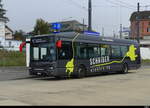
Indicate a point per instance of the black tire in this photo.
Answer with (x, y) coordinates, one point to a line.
(31, 73)
(125, 69)
(81, 72)
(59, 77)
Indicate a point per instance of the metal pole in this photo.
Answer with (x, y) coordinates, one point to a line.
(120, 31)
(90, 15)
(103, 31)
(138, 22)
(83, 25)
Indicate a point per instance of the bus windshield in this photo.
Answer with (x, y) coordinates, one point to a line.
(43, 52)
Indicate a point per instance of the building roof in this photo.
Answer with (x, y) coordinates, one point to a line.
(69, 22)
(9, 28)
(72, 25)
(142, 15)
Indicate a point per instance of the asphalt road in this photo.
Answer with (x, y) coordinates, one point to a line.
(114, 89)
(16, 73)
(13, 73)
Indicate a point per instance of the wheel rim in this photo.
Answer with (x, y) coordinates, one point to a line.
(80, 73)
(125, 69)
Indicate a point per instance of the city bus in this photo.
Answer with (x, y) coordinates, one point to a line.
(72, 54)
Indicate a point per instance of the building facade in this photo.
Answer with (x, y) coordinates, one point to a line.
(3, 20)
(144, 29)
(6, 34)
(144, 24)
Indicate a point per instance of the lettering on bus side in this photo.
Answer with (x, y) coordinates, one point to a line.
(99, 61)
(99, 69)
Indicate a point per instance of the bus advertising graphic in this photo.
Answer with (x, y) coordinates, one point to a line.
(97, 63)
(72, 54)
(70, 67)
(132, 53)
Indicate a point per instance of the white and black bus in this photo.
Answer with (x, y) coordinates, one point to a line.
(74, 54)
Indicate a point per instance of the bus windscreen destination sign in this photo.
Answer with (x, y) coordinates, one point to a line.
(41, 40)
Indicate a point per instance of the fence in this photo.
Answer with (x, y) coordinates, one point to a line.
(145, 53)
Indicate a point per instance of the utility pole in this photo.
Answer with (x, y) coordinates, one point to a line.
(114, 35)
(138, 22)
(83, 25)
(120, 31)
(103, 31)
(90, 15)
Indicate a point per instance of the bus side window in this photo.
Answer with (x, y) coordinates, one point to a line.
(116, 51)
(124, 50)
(97, 51)
(93, 51)
(81, 51)
(105, 50)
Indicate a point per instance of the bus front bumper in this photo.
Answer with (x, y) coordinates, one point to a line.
(41, 71)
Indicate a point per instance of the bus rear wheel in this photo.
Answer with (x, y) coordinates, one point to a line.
(125, 69)
(81, 72)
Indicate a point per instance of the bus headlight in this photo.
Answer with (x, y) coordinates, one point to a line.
(51, 68)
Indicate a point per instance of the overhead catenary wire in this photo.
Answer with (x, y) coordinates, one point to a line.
(78, 5)
(112, 4)
(125, 3)
(115, 5)
(104, 6)
(120, 4)
(146, 7)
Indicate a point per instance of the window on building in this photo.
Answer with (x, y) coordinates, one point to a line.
(148, 29)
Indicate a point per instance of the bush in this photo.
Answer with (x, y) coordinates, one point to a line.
(146, 61)
(12, 58)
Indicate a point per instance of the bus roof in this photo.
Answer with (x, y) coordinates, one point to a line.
(89, 38)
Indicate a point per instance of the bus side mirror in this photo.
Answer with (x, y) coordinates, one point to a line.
(21, 46)
(59, 44)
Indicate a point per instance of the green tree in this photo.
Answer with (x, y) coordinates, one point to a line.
(41, 27)
(19, 35)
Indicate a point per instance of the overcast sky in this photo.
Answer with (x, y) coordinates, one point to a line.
(106, 13)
